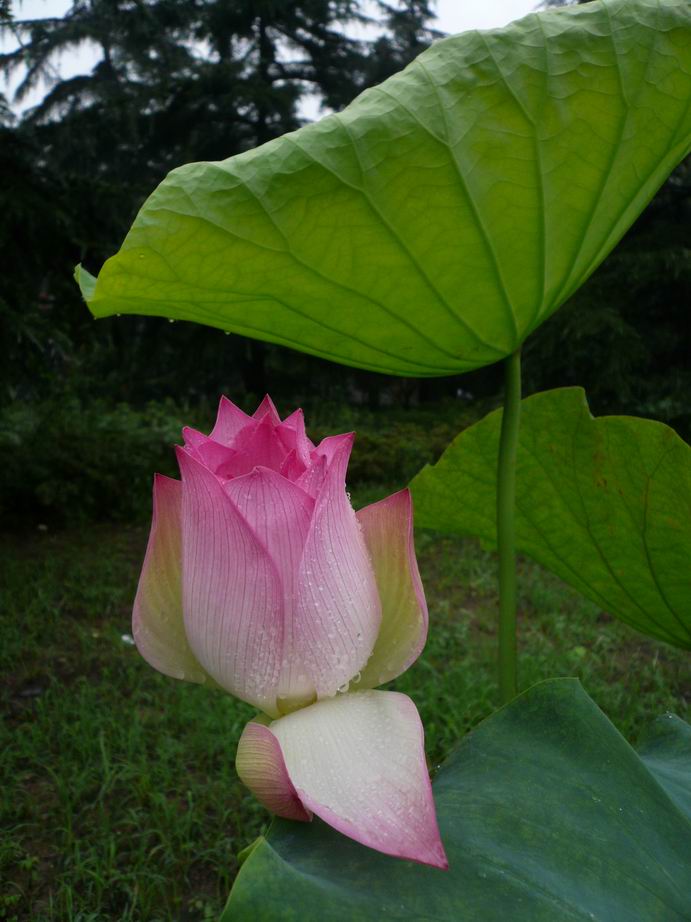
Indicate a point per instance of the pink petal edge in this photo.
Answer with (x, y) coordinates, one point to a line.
(292, 432)
(218, 458)
(230, 420)
(358, 762)
(232, 594)
(260, 766)
(267, 408)
(387, 527)
(337, 610)
(157, 620)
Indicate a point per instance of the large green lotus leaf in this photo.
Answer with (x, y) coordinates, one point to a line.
(439, 219)
(667, 753)
(546, 813)
(604, 503)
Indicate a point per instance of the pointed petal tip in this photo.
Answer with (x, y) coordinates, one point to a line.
(269, 474)
(188, 464)
(336, 449)
(230, 420)
(330, 444)
(165, 492)
(191, 436)
(225, 403)
(343, 446)
(357, 761)
(398, 500)
(442, 862)
(436, 859)
(163, 482)
(298, 414)
(430, 854)
(267, 408)
(184, 460)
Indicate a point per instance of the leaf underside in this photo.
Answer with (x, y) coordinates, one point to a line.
(605, 503)
(546, 814)
(433, 224)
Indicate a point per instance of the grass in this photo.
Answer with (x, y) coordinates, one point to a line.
(119, 796)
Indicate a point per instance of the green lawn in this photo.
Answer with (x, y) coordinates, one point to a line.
(119, 796)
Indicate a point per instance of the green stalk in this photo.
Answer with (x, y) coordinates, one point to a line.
(506, 540)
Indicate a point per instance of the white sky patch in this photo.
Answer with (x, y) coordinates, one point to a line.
(460, 15)
(453, 16)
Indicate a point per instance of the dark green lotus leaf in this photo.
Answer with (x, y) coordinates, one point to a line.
(604, 503)
(433, 224)
(547, 815)
(667, 753)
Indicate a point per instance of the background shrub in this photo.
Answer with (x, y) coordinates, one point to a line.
(70, 461)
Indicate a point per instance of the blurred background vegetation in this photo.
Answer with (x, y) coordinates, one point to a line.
(183, 80)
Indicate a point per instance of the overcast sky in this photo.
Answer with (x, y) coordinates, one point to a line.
(452, 16)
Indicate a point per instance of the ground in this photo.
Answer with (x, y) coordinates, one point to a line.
(119, 798)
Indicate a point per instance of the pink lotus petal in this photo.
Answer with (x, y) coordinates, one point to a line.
(267, 408)
(193, 437)
(218, 458)
(337, 608)
(321, 457)
(332, 445)
(387, 527)
(259, 764)
(358, 762)
(157, 622)
(291, 467)
(292, 434)
(258, 444)
(312, 480)
(232, 594)
(230, 420)
(279, 513)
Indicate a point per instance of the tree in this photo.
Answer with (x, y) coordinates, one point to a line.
(407, 34)
(175, 81)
